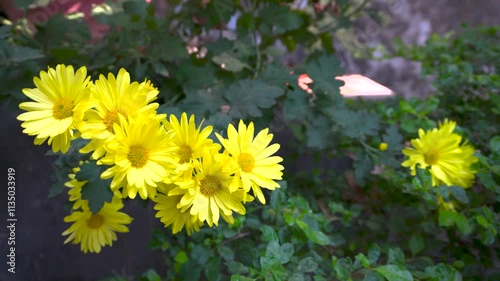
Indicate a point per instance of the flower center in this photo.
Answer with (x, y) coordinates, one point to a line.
(95, 221)
(431, 157)
(185, 154)
(111, 118)
(138, 156)
(246, 162)
(210, 185)
(63, 108)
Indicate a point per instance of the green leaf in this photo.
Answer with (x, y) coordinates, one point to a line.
(190, 271)
(181, 257)
(272, 257)
(495, 144)
(323, 70)
(200, 254)
(362, 166)
(308, 265)
(394, 273)
(202, 102)
(169, 48)
(361, 258)
(343, 267)
(450, 218)
(316, 236)
(393, 139)
(212, 269)
(230, 62)
(96, 190)
(356, 124)
(22, 53)
(416, 244)
(238, 277)
(459, 194)
(236, 267)
(395, 255)
(443, 272)
(268, 233)
(247, 97)
(318, 133)
(278, 19)
(373, 253)
(150, 275)
(286, 252)
(193, 78)
(226, 253)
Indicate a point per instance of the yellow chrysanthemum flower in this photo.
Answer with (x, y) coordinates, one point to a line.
(208, 195)
(257, 168)
(75, 189)
(170, 214)
(142, 154)
(117, 97)
(93, 231)
(440, 149)
(61, 98)
(189, 142)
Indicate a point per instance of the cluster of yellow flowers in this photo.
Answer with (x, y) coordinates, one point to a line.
(170, 161)
(450, 161)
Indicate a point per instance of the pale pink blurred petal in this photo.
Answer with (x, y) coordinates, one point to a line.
(303, 80)
(359, 85)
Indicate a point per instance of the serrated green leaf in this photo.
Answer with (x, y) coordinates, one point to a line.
(323, 70)
(202, 102)
(393, 139)
(356, 124)
(318, 133)
(169, 48)
(248, 97)
(97, 191)
(228, 61)
(278, 19)
(394, 273)
(193, 78)
(362, 167)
